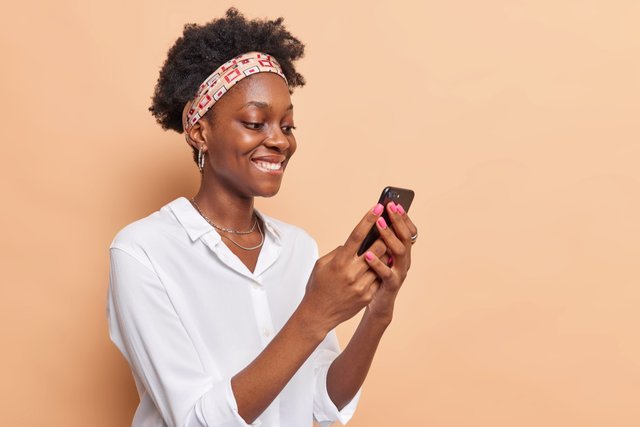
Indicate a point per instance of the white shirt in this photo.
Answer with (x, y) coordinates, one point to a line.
(188, 315)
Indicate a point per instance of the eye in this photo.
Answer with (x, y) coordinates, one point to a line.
(288, 129)
(253, 125)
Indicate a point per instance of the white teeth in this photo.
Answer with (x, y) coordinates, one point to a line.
(268, 165)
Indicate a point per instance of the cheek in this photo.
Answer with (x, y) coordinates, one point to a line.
(236, 146)
(293, 145)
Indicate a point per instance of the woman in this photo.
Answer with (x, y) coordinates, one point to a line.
(222, 312)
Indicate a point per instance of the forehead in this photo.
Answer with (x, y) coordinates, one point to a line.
(267, 88)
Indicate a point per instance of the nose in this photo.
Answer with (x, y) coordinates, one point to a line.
(278, 140)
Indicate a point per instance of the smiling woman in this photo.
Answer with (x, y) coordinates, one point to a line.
(226, 315)
(253, 141)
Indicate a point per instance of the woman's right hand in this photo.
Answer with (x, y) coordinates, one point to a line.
(341, 283)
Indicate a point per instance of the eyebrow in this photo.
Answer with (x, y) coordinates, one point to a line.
(262, 105)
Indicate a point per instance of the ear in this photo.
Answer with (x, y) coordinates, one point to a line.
(196, 137)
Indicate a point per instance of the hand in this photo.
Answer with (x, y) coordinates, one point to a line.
(398, 242)
(341, 283)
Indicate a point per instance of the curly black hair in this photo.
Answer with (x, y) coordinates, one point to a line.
(203, 48)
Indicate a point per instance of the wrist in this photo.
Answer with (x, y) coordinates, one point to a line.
(380, 318)
(311, 321)
(381, 309)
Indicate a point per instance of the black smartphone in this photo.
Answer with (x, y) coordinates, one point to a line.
(402, 196)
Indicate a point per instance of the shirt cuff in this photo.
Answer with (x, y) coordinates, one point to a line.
(324, 410)
(218, 408)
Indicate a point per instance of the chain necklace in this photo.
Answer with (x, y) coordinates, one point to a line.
(251, 248)
(228, 230)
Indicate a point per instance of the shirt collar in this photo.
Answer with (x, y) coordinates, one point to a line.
(196, 226)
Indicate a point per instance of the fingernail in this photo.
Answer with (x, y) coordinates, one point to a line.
(382, 223)
(368, 256)
(377, 209)
(392, 207)
(400, 209)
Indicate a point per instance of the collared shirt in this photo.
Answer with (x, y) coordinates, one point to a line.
(188, 315)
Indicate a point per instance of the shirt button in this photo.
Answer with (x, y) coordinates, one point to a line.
(266, 332)
(255, 285)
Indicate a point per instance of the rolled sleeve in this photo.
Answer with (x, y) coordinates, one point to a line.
(219, 408)
(324, 410)
(146, 328)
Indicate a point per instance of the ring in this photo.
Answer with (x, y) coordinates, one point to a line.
(414, 238)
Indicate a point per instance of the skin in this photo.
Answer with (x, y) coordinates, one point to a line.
(254, 120)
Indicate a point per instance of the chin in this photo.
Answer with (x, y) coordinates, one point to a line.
(267, 187)
(268, 192)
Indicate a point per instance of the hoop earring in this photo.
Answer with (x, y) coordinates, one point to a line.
(201, 155)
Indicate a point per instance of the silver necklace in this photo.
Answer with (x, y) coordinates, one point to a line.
(251, 248)
(228, 230)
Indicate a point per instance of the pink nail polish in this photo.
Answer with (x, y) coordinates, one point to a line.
(382, 223)
(392, 207)
(401, 209)
(377, 209)
(368, 256)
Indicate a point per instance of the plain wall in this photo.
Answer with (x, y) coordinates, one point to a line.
(516, 123)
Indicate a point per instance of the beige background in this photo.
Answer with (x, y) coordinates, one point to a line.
(516, 122)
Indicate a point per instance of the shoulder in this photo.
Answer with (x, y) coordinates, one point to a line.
(154, 230)
(292, 235)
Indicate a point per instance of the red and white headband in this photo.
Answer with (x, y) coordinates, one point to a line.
(223, 78)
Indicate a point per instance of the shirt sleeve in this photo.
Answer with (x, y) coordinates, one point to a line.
(324, 410)
(146, 328)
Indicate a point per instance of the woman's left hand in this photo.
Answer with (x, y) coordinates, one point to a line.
(397, 237)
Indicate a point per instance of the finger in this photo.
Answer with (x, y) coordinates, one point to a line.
(368, 279)
(370, 283)
(379, 248)
(381, 269)
(372, 289)
(399, 225)
(358, 234)
(387, 259)
(412, 227)
(394, 244)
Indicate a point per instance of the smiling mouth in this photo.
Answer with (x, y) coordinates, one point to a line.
(268, 167)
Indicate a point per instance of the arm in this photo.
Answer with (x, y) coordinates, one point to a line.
(349, 370)
(263, 379)
(146, 328)
(144, 325)
(340, 285)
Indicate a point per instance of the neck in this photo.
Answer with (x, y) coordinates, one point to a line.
(224, 207)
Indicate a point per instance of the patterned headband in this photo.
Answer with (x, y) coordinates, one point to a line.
(223, 78)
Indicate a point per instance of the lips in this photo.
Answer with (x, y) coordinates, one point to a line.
(269, 164)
